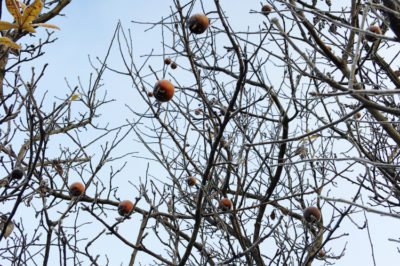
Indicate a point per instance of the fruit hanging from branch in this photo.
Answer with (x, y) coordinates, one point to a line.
(17, 173)
(225, 204)
(125, 207)
(167, 61)
(198, 23)
(321, 253)
(76, 189)
(266, 9)
(374, 29)
(163, 90)
(191, 181)
(312, 214)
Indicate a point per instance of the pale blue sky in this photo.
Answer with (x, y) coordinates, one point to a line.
(86, 29)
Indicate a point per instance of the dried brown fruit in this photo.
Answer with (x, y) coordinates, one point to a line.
(77, 189)
(374, 29)
(225, 204)
(191, 181)
(167, 61)
(125, 207)
(198, 23)
(163, 90)
(312, 214)
(266, 9)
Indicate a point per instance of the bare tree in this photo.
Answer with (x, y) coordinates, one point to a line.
(249, 138)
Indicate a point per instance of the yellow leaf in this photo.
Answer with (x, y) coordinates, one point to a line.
(31, 12)
(13, 8)
(20, 3)
(7, 25)
(29, 28)
(46, 25)
(74, 97)
(310, 138)
(6, 41)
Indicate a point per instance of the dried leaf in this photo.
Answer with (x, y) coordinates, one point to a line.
(310, 138)
(3, 182)
(20, 3)
(31, 12)
(13, 8)
(28, 202)
(273, 215)
(56, 165)
(7, 25)
(47, 26)
(302, 150)
(74, 97)
(169, 205)
(59, 170)
(29, 28)
(9, 229)
(6, 41)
